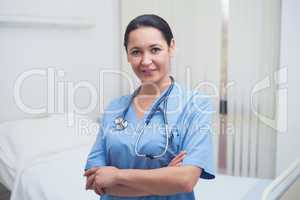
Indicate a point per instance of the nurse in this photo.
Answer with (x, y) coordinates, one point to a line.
(156, 142)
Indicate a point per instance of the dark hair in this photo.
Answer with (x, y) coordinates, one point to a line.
(149, 20)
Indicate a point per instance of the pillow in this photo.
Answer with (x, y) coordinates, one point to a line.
(23, 141)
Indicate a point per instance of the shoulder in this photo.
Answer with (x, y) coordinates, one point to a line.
(114, 108)
(193, 100)
(118, 103)
(199, 102)
(183, 100)
(197, 107)
(197, 112)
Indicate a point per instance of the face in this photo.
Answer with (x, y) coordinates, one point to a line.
(149, 55)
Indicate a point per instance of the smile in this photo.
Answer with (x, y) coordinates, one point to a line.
(148, 71)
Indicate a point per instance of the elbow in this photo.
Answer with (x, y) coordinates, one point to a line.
(190, 179)
(188, 184)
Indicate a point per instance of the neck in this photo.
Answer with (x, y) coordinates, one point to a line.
(155, 89)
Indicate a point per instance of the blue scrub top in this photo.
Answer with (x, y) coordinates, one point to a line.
(189, 117)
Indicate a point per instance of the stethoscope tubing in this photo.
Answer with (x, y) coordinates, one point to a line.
(141, 132)
(121, 122)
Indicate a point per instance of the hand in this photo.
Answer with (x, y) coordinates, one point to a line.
(177, 160)
(98, 190)
(90, 175)
(105, 177)
(90, 183)
(91, 171)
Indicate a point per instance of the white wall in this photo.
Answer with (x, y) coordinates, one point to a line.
(288, 143)
(80, 53)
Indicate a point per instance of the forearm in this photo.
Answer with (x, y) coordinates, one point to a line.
(162, 181)
(125, 191)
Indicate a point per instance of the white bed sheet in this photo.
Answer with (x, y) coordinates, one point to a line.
(231, 188)
(22, 141)
(59, 177)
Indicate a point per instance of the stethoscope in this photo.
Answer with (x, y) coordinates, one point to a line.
(121, 123)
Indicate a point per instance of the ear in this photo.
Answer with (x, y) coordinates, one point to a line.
(127, 55)
(172, 47)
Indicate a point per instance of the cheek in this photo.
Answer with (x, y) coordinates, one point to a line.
(134, 62)
(163, 63)
(135, 65)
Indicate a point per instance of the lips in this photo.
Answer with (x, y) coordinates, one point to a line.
(148, 71)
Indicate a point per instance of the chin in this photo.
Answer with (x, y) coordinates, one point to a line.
(149, 79)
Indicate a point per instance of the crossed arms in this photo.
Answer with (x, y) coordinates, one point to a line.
(138, 182)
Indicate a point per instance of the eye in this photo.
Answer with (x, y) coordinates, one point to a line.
(155, 50)
(135, 53)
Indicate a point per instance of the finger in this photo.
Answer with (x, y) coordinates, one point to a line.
(178, 164)
(90, 181)
(179, 157)
(95, 188)
(182, 153)
(175, 163)
(99, 190)
(96, 191)
(90, 171)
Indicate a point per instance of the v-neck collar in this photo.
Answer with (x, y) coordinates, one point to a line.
(132, 110)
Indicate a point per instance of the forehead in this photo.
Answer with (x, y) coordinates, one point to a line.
(145, 36)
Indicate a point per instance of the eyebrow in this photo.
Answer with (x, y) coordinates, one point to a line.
(133, 48)
(151, 46)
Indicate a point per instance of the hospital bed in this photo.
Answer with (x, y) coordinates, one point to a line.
(43, 159)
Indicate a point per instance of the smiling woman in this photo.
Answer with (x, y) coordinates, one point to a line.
(156, 142)
(149, 55)
(149, 44)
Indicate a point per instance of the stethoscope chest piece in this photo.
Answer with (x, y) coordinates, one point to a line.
(121, 123)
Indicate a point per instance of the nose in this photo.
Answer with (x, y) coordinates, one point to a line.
(146, 59)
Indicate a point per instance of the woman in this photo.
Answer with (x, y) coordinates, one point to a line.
(154, 143)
